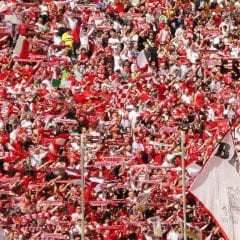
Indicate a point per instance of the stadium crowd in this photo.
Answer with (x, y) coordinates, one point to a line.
(112, 83)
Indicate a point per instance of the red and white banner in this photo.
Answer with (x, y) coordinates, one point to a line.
(27, 5)
(65, 121)
(53, 236)
(89, 6)
(5, 30)
(35, 186)
(130, 15)
(112, 227)
(51, 203)
(5, 154)
(103, 27)
(116, 158)
(217, 187)
(62, 2)
(102, 203)
(169, 129)
(211, 32)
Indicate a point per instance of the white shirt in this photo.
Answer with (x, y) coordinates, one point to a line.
(75, 216)
(113, 43)
(133, 115)
(186, 99)
(43, 9)
(235, 52)
(57, 40)
(36, 159)
(179, 32)
(211, 115)
(183, 71)
(117, 61)
(172, 235)
(26, 123)
(84, 40)
(192, 56)
(135, 3)
(136, 146)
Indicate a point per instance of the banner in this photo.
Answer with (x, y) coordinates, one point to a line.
(62, 2)
(27, 5)
(112, 227)
(130, 15)
(51, 203)
(104, 27)
(211, 32)
(217, 187)
(106, 202)
(116, 158)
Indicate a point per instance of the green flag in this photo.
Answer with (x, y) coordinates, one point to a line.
(56, 83)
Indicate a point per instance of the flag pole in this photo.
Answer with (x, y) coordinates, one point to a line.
(183, 185)
(82, 145)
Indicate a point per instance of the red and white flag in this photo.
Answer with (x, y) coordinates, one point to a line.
(21, 49)
(217, 187)
(57, 142)
(121, 96)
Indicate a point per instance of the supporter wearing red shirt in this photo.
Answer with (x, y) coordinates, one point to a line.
(159, 155)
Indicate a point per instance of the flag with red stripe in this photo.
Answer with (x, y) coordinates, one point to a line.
(21, 49)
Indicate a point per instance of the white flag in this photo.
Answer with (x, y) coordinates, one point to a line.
(142, 61)
(142, 198)
(217, 187)
(2, 235)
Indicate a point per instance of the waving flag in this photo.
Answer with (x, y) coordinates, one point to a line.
(217, 187)
(142, 61)
(21, 49)
(121, 96)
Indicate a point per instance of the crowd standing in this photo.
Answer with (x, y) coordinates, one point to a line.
(122, 79)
